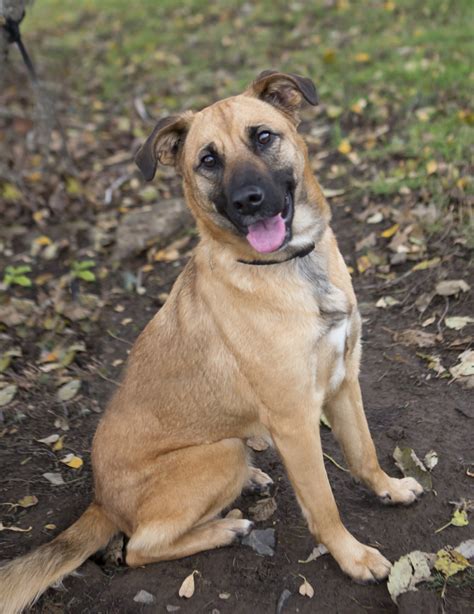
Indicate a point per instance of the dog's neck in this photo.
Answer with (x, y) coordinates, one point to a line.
(296, 253)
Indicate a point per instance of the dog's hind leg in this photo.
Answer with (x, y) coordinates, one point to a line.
(190, 487)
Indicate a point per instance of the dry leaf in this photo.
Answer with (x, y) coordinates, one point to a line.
(17, 529)
(306, 589)
(431, 167)
(28, 501)
(412, 467)
(408, 571)
(318, 551)
(419, 338)
(465, 366)
(431, 460)
(73, 461)
(386, 234)
(56, 479)
(69, 390)
(344, 147)
(49, 440)
(386, 301)
(458, 322)
(7, 394)
(449, 562)
(433, 362)
(187, 588)
(263, 509)
(427, 264)
(376, 218)
(451, 287)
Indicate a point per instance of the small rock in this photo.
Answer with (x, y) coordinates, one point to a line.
(261, 541)
(151, 224)
(144, 597)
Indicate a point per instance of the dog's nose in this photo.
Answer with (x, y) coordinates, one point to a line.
(248, 199)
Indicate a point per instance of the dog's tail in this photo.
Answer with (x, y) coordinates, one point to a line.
(24, 579)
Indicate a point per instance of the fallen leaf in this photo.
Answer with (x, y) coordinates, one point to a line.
(56, 479)
(7, 394)
(458, 322)
(428, 321)
(386, 301)
(50, 526)
(317, 551)
(344, 147)
(17, 529)
(259, 444)
(449, 562)
(68, 391)
(263, 509)
(451, 287)
(412, 467)
(466, 548)
(28, 501)
(50, 439)
(305, 588)
(460, 518)
(144, 597)
(73, 461)
(389, 232)
(376, 218)
(433, 362)
(465, 366)
(188, 586)
(419, 338)
(431, 460)
(431, 167)
(408, 571)
(362, 57)
(427, 264)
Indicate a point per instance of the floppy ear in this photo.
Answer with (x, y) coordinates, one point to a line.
(164, 144)
(285, 91)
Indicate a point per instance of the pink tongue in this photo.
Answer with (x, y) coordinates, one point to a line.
(267, 235)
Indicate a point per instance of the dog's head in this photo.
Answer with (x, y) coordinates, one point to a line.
(245, 168)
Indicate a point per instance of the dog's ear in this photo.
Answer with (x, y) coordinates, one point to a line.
(164, 144)
(285, 91)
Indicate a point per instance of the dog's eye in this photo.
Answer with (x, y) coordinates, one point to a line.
(264, 137)
(209, 161)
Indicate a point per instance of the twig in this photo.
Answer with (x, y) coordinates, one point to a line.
(109, 332)
(108, 379)
(334, 462)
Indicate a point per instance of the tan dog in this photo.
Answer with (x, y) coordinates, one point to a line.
(239, 349)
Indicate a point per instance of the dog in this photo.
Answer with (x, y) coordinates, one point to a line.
(260, 333)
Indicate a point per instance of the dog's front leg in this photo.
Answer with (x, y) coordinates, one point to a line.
(297, 439)
(346, 413)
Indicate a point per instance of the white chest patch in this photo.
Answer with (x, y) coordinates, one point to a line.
(337, 339)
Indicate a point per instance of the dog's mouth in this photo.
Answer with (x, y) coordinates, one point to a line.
(271, 233)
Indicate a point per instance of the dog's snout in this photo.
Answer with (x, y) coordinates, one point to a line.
(248, 199)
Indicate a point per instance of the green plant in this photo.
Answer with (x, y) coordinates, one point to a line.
(81, 270)
(16, 275)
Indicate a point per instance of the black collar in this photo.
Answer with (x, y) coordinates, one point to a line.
(299, 254)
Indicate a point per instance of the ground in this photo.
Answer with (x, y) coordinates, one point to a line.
(390, 146)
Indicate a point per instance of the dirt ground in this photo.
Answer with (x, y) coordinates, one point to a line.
(403, 407)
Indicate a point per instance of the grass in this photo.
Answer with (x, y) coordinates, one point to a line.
(411, 62)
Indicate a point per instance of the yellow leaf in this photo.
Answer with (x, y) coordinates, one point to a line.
(431, 167)
(459, 518)
(359, 106)
(11, 192)
(329, 55)
(187, 587)
(59, 445)
(73, 461)
(363, 263)
(427, 264)
(34, 177)
(43, 240)
(389, 6)
(73, 187)
(28, 501)
(450, 562)
(386, 234)
(344, 147)
(362, 57)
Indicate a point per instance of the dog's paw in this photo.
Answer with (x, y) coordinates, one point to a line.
(362, 563)
(260, 483)
(237, 528)
(404, 491)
